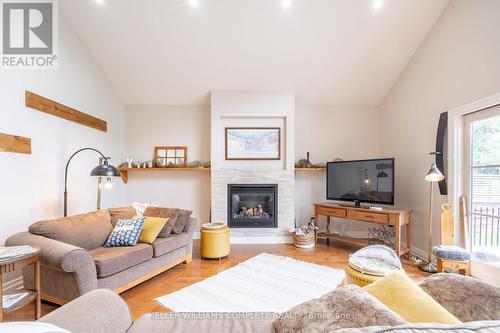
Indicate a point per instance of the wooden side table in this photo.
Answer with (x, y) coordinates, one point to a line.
(34, 295)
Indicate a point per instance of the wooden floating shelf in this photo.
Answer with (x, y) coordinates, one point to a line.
(310, 169)
(15, 144)
(124, 171)
(54, 108)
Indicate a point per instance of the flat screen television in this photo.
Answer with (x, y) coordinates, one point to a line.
(368, 181)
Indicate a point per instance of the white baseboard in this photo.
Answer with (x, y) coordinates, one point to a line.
(421, 254)
(284, 238)
(257, 238)
(261, 239)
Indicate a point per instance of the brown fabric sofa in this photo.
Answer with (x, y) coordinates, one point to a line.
(74, 260)
(113, 316)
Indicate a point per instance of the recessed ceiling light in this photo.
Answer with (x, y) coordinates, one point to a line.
(377, 4)
(100, 2)
(194, 3)
(286, 4)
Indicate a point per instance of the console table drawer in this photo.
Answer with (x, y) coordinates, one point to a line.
(334, 212)
(369, 217)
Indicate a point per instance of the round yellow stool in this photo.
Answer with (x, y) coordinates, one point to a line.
(353, 276)
(370, 264)
(215, 243)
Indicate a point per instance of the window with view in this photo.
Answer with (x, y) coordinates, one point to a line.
(483, 178)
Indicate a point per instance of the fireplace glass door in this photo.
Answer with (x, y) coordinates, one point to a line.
(252, 206)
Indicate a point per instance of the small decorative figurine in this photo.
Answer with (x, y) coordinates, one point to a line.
(130, 160)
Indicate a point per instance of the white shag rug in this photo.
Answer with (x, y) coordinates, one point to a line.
(264, 283)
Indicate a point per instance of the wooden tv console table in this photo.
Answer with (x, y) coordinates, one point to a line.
(390, 217)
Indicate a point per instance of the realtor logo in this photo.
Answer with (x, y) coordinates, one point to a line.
(29, 33)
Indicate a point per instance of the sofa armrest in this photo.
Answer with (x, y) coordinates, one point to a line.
(215, 322)
(191, 227)
(465, 297)
(61, 256)
(100, 310)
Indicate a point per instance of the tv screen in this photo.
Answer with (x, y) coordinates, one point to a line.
(370, 181)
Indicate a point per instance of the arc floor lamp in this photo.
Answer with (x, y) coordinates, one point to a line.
(433, 176)
(102, 170)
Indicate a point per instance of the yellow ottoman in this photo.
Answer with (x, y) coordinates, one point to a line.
(215, 243)
(352, 276)
(370, 264)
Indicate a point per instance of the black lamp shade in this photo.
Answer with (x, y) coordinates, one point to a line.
(105, 170)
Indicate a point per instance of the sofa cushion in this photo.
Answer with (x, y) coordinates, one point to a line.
(466, 298)
(31, 327)
(407, 299)
(192, 322)
(111, 260)
(152, 228)
(173, 242)
(126, 232)
(140, 207)
(472, 327)
(348, 306)
(87, 231)
(182, 221)
(178, 218)
(124, 213)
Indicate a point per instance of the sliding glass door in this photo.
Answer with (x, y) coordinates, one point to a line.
(482, 173)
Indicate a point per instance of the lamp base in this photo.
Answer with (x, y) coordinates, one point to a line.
(428, 267)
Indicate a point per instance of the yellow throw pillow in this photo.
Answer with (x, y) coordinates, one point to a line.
(403, 296)
(152, 228)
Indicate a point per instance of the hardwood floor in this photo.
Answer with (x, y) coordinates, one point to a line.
(141, 298)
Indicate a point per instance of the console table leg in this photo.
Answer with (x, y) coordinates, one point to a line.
(408, 239)
(315, 224)
(398, 239)
(328, 220)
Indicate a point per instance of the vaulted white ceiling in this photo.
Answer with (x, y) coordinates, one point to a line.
(329, 52)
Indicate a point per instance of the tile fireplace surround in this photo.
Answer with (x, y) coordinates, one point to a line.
(254, 109)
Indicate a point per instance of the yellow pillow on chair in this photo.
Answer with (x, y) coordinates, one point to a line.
(152, 228)
(403, 296)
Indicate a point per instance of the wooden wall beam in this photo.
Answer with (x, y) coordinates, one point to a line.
(15, 144)
(54, 108)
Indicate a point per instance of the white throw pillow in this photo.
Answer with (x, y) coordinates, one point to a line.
(140, 207)
(30, 327)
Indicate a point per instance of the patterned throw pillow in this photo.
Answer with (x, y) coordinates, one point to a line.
(126, 232)
(345, 307)
(178, 218)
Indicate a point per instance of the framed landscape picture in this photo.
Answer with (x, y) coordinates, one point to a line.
(253, 143)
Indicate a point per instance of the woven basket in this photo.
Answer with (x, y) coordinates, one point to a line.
(304, 241)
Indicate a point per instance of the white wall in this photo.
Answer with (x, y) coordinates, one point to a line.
(32, 185)
(326, 132)
(329, 133)
(150, 126)
(456, 64)
(265, 108)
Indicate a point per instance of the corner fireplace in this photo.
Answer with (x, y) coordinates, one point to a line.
(252, 206)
